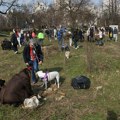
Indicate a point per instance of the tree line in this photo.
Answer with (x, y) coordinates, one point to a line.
(72, 13)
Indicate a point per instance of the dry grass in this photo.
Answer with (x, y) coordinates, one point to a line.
(89, 104)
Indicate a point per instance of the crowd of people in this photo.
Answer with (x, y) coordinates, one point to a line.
(33, 55)
(32, 52)
(93, 33)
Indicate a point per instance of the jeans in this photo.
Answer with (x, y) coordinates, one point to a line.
(34, 70)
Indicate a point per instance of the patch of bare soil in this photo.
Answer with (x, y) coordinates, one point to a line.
(49, 50)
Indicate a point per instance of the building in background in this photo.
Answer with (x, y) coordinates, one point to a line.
(39, 7)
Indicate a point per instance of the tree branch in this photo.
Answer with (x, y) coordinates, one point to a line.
(8, 5)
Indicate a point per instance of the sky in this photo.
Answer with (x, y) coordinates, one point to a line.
(49, 1)
(46, 1)
(32, 1)
(96, 1)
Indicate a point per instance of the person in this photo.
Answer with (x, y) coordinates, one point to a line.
(14, 42)
(60, 38)
(33, 34)
(47, 32)
(88, 34)
(70, 38)
(110, 33)
(22, 37)
(18, 34)
(91, 35)
(55, 33)
(27, 36)
(33, 56)
(81, 35)
(40, 37)
(75, 38)
(115, 34)
(100, 40)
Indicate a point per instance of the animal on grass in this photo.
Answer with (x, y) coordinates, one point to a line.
(67, 54)
(17, 89)
(49, 76)
(67, 51)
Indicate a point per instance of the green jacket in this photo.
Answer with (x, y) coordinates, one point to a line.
(40, 35)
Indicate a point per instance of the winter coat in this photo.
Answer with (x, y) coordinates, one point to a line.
(26, 53)
(14, 39)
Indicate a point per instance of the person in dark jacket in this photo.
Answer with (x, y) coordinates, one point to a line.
(75, 38)
(81, 37)
(14, 42)
(91, 34)
(33, 56)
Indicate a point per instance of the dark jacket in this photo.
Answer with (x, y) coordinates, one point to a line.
(14, 39)
(75, 35)
(26, 53)
(59, 35)
(115, 31)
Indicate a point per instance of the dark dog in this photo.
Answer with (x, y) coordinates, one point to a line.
(6, 45)
(17, 89)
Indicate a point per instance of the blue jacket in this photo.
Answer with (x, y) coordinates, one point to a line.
(59, 35)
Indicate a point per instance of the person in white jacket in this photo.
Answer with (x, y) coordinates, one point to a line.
(18, 37)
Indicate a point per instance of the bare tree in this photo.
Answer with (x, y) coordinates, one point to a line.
(6, 5)
(111, 12)
(72, 10)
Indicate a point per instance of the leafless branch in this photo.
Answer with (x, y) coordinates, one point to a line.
(7, 5)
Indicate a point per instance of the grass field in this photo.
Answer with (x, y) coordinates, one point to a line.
(100, 63)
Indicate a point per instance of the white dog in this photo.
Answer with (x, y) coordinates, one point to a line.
(31, 103)
(48, 76)
(67, 54)
(66, 49)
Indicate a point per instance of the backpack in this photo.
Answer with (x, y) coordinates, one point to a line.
(80, 82)
(6, 45)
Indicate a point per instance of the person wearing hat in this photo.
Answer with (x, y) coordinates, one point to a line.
(33, 56)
